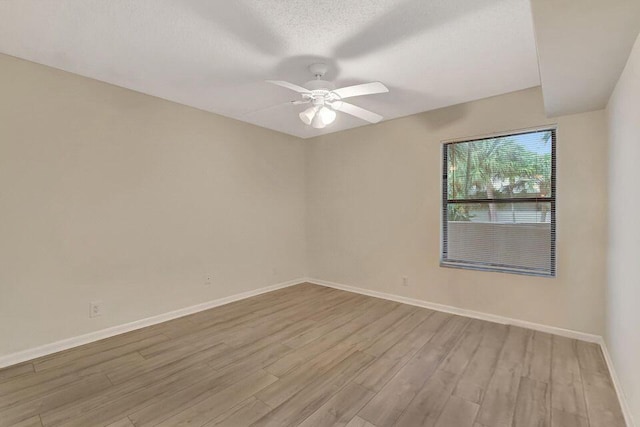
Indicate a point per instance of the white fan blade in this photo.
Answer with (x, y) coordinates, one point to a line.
(259, 110)
(359, 90)
(356, 111)
(288, 85)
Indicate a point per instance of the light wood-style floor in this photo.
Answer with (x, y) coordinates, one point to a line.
(309, 355)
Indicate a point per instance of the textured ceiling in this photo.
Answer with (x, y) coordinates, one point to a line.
(583, 47)
(215, 55)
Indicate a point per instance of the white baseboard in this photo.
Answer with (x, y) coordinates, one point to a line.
(497, 319)
(65, 344)
(616, 384)
(463, 312)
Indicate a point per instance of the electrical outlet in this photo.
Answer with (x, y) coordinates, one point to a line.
(405, 281)
(95, 309)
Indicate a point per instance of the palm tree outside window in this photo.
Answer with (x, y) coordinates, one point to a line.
(498, 205)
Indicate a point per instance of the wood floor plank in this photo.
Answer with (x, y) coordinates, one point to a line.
(565, 419)
(537, 363)
(297, 379)
(255, 359)
(494, 335)
(244, 333)
(132, 370)
(312, 397)
(603, 406)
(163, 406)
(54, 399)
(387, 406)
(533, 407)
(389, 336)
(590, 358)
(569, 398)
(602, 403)
(30, 422)
(237, 355)
(458, 412)
(244, 414)
(341, 408)
(330, 323)
(195, 337)
(475, 380)
(359, 422)
(514, 349)
(41, 383)
(457, 360)
(565, 368)
(124, 422)
(275, 322)
(348, 303)
(112, 406)
(303, 354)
(366, 336)
(481, 365)
(132, 340)
(311, 355)
(126, 372)
(215, 404)
(16, 371)
(376, 375)
(567, 390)
(216, 328)
(499, 402)
(74, 363)
(191, 367)
(428, 404)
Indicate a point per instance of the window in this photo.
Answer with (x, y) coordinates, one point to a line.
(499, 203)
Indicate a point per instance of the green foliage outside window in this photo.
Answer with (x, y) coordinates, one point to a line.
(498, 168)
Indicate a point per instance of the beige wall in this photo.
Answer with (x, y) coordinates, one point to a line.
(623, 293)
(374, 212)
(111, 195)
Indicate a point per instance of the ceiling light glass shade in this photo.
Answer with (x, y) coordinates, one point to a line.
(307, 115)
(317, 121)
(318, 116)
(327, 115)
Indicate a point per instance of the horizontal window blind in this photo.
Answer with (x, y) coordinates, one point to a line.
(499, 203)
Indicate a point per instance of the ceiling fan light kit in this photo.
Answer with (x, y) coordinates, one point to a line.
(318, 116)
(326, 100)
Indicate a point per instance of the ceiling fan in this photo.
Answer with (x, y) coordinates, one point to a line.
(325, 100)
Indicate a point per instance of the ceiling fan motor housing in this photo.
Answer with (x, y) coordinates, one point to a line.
(319, 85)
(319, 70)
